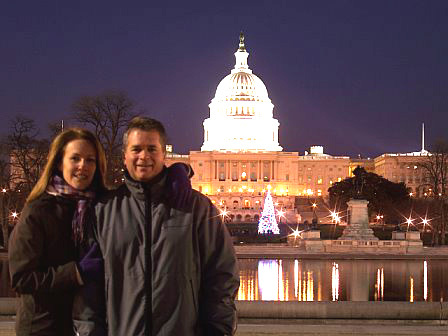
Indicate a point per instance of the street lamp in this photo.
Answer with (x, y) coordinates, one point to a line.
(315, 220)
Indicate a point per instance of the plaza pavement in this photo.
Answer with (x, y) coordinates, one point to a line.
(305, 328)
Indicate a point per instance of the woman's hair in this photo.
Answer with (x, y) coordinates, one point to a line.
(56, 154)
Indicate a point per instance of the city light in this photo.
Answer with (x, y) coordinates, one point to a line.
(3, 190)
(335, 217)
(224, 214)
(296, 233)
(14, 214)
(425, 222)
(281, 214)
(409, 222)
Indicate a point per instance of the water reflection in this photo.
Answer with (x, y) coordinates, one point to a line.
(329, 280)
(425, 280)
(335, 282)
(342, 280)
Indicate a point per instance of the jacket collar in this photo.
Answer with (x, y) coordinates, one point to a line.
(153, 189)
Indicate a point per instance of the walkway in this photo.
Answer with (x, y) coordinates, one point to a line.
(283, 251)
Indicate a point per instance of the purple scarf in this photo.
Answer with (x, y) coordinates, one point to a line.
(58, 187)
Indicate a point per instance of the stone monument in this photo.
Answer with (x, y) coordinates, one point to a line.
(358, 217)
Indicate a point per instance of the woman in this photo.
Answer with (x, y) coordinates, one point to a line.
(51, 250)
(44, 245)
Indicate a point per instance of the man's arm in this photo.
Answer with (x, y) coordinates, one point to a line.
(220, 276)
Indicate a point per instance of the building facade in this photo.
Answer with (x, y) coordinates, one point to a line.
(241, 158)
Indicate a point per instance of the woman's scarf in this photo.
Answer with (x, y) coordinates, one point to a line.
(58, 187)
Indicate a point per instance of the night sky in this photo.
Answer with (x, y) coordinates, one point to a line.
(357, 77)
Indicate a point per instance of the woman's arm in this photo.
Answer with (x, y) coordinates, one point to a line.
(26, 250)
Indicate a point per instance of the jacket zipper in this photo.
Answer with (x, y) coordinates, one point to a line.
(148, 262)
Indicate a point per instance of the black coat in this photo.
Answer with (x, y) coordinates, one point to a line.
(42, 266)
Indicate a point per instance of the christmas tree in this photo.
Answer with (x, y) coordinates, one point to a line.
(268, 223)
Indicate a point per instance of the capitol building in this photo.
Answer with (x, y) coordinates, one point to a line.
(241, 157)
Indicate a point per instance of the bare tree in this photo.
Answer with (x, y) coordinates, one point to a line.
(436, 168)
(107, 115)
(11, 197)
(4, 197)
(55, 128)
(27, 153)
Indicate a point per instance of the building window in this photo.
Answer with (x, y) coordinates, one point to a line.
(319, 180)
(200, 177)
(287, 177)
(222, 176)
(253, 177)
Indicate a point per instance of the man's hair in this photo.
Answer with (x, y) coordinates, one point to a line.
(145, 124)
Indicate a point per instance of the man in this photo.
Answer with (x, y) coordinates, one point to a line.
(169, 270)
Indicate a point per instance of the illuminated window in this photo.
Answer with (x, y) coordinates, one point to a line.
(319, 180)
(339, 179)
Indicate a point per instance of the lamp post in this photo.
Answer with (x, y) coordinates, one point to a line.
(315, 220)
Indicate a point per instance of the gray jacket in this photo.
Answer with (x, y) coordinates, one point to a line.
(168, 271)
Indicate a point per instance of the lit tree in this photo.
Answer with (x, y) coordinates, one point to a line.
(268, 223)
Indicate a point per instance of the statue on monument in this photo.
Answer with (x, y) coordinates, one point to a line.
(358, 182)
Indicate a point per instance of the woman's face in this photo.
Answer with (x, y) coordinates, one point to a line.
(78, 164)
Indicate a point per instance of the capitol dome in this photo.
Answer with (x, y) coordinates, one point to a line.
(241, 113)
(241, 86)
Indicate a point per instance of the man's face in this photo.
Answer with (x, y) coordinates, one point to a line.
(144, 156)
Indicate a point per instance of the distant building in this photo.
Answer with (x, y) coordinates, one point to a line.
(241, 156)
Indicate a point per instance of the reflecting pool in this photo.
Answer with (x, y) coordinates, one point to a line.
(343, 280)
(329, 280)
